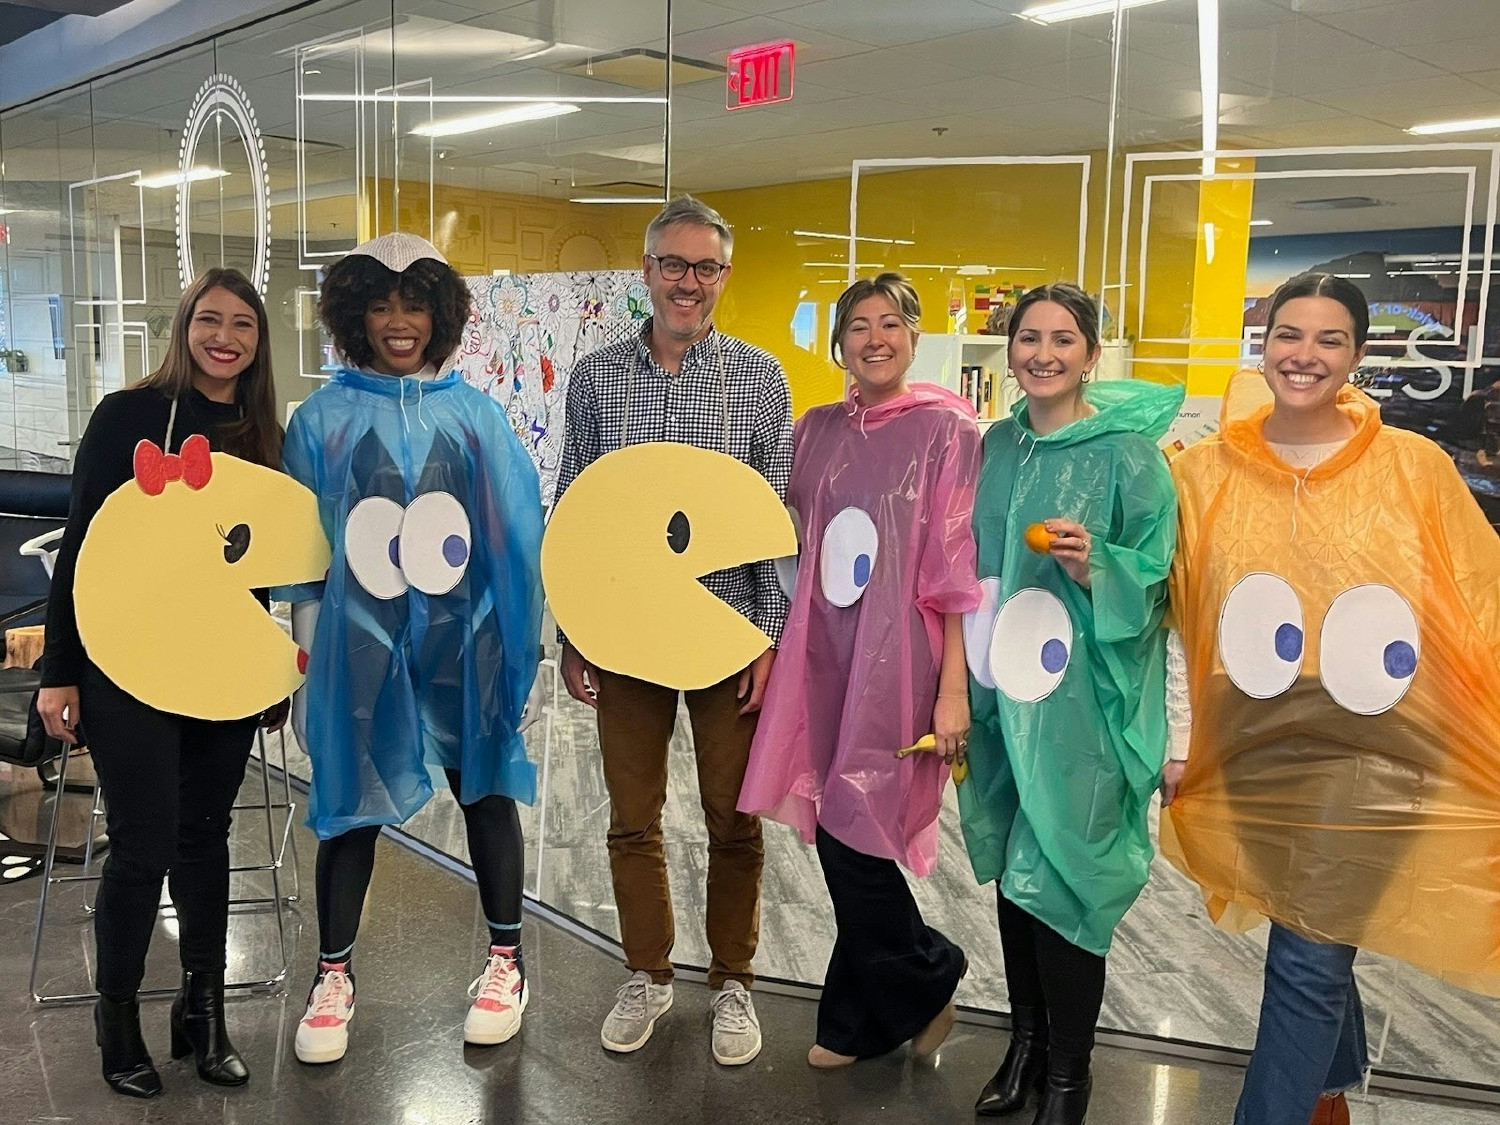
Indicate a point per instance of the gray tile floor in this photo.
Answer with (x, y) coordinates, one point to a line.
(1172, 973)
(419, 947)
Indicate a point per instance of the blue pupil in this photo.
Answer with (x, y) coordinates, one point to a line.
(1054, 656)
(394, 550)
(861, 570)
(1400, 660)
(455, 550)
(1288, 642)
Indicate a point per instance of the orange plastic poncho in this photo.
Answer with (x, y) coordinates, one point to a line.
(1342, 631)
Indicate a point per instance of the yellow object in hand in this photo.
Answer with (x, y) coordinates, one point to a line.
(927, 743)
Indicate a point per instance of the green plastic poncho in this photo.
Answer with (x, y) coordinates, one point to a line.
(1068, 685)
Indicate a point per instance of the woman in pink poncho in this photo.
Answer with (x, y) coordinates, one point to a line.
(871, 661)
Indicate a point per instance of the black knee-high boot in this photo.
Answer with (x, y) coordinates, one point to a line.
(1065, 1097)
(198, 1029)
(1024, 1070)
(127, 1064)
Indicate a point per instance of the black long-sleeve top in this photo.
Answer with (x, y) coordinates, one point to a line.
(105, 460)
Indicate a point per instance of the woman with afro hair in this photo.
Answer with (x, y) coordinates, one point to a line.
(423, 638)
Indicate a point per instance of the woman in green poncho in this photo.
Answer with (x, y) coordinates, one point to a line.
(1076, 522)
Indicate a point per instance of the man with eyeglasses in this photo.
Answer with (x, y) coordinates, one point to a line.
(682, 380)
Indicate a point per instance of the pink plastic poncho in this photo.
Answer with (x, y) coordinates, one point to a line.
(883, 498)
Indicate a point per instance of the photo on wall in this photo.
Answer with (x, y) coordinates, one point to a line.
(1412, 280)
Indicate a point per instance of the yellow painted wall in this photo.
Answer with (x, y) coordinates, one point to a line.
(996, 215)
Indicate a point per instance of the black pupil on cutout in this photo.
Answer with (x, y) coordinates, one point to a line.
(236, 542)
(679, 531)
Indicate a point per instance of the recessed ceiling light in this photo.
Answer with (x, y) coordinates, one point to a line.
(1472, 125)
(493, 119)
(1056, 11)
(172, 179)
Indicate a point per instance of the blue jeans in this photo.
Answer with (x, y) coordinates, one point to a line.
(1311, 1039)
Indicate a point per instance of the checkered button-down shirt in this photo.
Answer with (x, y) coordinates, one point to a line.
(690, 407)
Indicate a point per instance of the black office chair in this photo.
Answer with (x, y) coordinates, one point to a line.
(33, 510)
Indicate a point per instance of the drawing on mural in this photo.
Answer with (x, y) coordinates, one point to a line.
(524, 335)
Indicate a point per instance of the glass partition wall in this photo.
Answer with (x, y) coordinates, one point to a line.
(1179, 157)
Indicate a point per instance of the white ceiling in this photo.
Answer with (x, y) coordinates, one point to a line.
(875, 78)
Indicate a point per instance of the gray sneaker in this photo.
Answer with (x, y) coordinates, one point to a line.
(638, 1005)
(736, 1037)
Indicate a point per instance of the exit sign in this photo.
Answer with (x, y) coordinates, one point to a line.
(760, 75)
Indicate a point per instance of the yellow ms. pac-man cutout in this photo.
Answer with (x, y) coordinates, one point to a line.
(165, 574)
(627, 544)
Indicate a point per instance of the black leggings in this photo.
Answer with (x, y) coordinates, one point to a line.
(169, 787)
(346, 862)
(1049, 974)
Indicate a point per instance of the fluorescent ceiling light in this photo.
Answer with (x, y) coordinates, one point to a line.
(172, 179)
(493, 119)
(653, 199)
(1473, 125)
(842, 265)
(1057, 11)
(1208, 79)
(1262, 223)
(857, 237)
(1353, 275)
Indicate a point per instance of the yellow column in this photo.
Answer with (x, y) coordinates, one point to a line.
(1218, 295)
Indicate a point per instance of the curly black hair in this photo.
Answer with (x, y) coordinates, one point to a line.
(353, 282)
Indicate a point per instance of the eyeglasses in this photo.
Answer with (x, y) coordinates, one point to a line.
(674, 268)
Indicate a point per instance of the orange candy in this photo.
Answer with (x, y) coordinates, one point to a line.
(1039, 539)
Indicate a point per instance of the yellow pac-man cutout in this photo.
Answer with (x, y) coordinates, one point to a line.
(627, 544)
(165, 574)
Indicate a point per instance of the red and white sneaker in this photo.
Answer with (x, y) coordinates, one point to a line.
(323, 1034)
(499, 1000)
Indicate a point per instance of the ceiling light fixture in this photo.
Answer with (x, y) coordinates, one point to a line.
(1262, 223)
(1472, 125)
(857, 238)
(652, 199)
(173, 179)
(494, 119)
(1208, 78)
(1058, 11)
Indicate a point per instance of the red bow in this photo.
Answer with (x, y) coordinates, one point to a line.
(153, 468)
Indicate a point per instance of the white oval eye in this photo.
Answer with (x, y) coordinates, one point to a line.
(979, 627)
(850, 547)
(1031, 645)
(1369, 649)
(1260, 635)
(786, 567)
(435, 542)
(371, 537)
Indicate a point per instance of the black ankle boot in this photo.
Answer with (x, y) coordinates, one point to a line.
(1065, 1097)
(198, 1029)
(1024, 1069)
(127, 1066)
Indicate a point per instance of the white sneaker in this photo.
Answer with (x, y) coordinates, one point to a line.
(499, 1000)
(736, 1038)
(323, 1034)
(638, 1005)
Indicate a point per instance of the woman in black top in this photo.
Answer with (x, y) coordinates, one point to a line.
(169, 781)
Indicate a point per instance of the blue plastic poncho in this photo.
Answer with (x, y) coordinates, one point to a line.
(427, 638)
(1068, 686)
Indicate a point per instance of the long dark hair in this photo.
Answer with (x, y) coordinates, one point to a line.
(1084, 308)
(1340, 289)
(257, 435)
(356, 280)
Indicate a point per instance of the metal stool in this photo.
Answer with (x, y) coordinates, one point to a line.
(276, 850)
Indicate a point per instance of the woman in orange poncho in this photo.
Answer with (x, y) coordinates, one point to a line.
(1338, 594)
